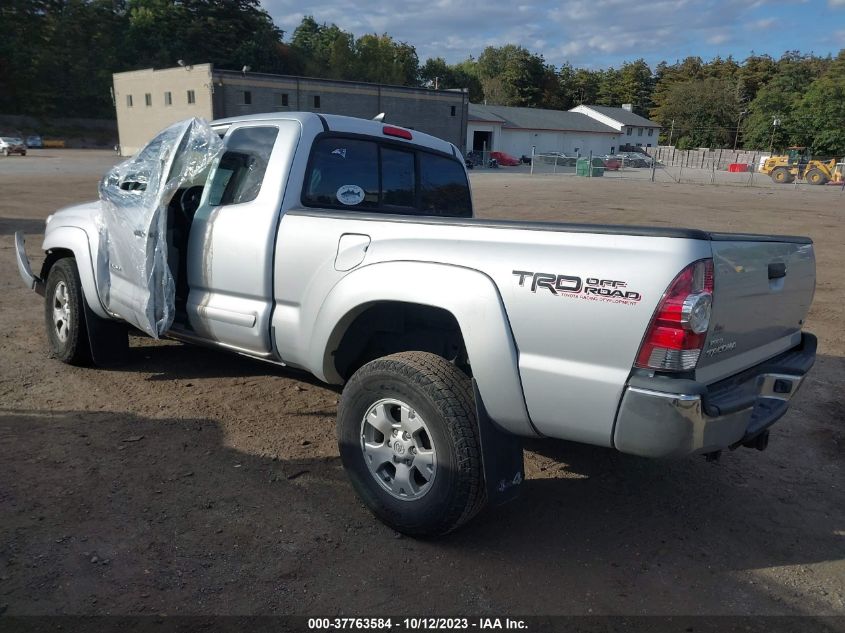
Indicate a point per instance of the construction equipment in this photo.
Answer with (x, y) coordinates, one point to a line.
(798, 162)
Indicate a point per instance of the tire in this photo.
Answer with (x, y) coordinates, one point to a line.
(782, 176)
(432, 399)
(815, 177)
(64, 314)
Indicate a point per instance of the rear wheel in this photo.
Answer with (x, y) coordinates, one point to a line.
(408, 439)
(815, 176)
(64, 314)
(781, 175)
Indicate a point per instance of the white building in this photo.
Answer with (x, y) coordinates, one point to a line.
(517, 130)
(634, 129)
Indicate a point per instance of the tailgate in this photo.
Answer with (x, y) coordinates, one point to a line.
(763, 288)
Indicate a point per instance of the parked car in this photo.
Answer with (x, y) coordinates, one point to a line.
(635, 159)
(612, 163)
(12, 145)
(34, 141)
(284, 238)
(559, 158)
(504, 159)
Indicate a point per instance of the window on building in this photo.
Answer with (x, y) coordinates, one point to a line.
(649, 145)
(247, 97)
(453, 110)
(359, 175)
(612, 149)
(629, 131)
(168, 98)
(651, 131)
(129, 101)
(148, 99)
(639, 131)
(239, 174)
(191, 97)
(280, 100)
(316, 101)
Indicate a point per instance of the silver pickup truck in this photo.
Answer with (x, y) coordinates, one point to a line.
(347, 248)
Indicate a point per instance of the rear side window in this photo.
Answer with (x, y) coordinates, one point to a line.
(239, 174)
(357, 174)
(443, 186)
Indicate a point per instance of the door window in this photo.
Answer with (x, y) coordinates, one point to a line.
(241, 169)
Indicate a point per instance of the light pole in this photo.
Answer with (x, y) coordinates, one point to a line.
(775, 124)
(736, 136)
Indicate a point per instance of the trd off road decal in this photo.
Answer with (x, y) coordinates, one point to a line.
(589, 289)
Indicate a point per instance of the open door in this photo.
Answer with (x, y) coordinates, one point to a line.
(134, 279)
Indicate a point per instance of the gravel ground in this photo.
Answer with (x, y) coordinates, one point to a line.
(191, 481)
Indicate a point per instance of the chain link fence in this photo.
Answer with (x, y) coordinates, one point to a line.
(668, 164)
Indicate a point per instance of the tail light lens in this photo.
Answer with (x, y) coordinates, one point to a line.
(679, 327)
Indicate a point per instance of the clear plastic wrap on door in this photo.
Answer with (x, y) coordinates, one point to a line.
(134, 279)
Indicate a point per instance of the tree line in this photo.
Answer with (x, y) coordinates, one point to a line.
(57, 58)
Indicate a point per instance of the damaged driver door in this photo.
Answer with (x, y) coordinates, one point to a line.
(134, 279)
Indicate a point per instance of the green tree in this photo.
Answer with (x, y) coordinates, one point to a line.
(511, 75)
(820, 114)
(705, 110)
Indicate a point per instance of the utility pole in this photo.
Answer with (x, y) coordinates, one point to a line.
(671, 132)
(736, 136)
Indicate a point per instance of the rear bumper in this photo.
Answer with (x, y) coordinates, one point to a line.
(657, 420)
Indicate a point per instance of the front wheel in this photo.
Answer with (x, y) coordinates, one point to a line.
(408, 439)
(64, 314)
(815, 177)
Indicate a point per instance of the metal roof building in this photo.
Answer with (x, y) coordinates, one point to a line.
(635, 129)
(517, 130)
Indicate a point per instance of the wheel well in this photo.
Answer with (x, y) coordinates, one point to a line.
(53, 255)
(390, 327)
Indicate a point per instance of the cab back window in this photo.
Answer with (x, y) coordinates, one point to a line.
(358, 174)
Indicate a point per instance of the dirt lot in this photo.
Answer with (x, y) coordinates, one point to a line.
(195, 482)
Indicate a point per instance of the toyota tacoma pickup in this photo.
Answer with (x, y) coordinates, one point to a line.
(348, 248)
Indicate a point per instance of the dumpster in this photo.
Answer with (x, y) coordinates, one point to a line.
(582, 167)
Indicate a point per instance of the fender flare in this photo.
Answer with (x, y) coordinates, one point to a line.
(469, 295)
(75, 239)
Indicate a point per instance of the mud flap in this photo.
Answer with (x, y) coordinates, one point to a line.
(501, 454)
(109, 340)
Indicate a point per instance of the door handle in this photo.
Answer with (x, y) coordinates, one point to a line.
(777, 271)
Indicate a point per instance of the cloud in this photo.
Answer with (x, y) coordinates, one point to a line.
(836, 4)
(591, 33)
(763, 25)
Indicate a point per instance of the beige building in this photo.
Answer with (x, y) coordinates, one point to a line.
(149, 100)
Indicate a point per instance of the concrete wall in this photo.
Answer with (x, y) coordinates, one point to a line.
(441, 113)
(139, 122)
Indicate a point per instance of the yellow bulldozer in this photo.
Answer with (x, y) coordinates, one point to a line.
(798, 162)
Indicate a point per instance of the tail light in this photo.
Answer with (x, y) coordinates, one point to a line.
(391, 130)
(677, 331)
